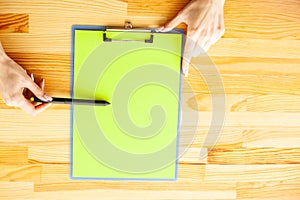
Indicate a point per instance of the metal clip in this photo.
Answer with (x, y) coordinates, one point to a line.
(128, 27)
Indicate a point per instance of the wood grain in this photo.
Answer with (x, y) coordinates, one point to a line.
(191, 178)
(16, 190)
(20, 173)
(276, 21)
(265, 190)
(13, 155)
(255, 156)
(146, 194)
(14, 23)
(276, 136)
(252, 173)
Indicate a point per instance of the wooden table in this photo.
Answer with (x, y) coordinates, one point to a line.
(258, 152)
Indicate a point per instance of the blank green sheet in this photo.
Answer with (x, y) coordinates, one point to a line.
(136, 137)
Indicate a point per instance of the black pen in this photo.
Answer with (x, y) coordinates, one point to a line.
(58, 100)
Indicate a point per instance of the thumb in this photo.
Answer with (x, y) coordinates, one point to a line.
(37, 91)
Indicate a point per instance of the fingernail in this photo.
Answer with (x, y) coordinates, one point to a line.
(160, 28)
(47, 97)
(43, 83)
(32, 77)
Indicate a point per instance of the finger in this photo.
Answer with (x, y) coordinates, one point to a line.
(219, 28)
(187, 56)
(172, 24)
(215, 39)
(205, 40)
(42, 84)
(221, 22)
(27, 106)
(29, 94)
(159, 29)
(37, 91)
(206, 45)
(32, 77)
(199, 47)
(42, 107)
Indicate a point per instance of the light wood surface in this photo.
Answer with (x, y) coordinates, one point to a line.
(257, 154)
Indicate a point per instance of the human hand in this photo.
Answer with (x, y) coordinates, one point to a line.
(17, 87)
(205, 20)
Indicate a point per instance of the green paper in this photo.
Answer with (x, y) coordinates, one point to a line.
(136, 136)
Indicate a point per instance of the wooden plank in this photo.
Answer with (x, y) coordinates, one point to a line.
(244, 156)
(247, 119)
(13, 155)
(114, 7)
(261, 48)
(242, 103)
(131, 195)
(238, 137)
(16, 190)
(55, 176)
(14, 23)
(265, 19)
(204, 102)
(49, 126)
(252, 173)
(55, 153)
(193, 155)
(204, 73)
(200, 137)
(275, 136)
(20, 173)
(283, 190)
(253, 65)
(155, 7)
(271, 103)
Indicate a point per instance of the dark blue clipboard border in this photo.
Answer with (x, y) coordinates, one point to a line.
(102, 28)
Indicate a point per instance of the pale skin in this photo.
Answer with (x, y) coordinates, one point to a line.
(205, 21)
(17, 87)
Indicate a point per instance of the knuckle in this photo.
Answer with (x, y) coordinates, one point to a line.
(220, 31)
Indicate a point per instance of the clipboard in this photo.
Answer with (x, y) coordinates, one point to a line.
(139, 72)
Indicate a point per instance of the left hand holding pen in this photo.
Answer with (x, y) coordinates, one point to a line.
(17, 87)
(205, 20)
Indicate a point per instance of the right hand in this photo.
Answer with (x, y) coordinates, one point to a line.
(205, 20)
